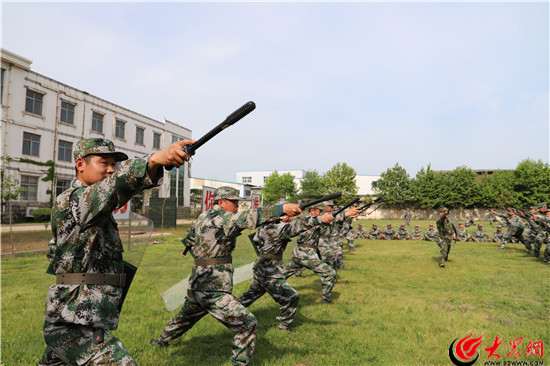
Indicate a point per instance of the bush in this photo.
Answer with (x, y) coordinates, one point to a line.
(42, 214)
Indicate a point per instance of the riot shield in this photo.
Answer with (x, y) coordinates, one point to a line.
(30, 294)
(171, 270)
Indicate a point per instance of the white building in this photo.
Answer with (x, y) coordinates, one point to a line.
(258, 177)
(42, 119)
(199, 183)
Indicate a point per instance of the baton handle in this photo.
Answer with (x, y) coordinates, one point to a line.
(230, 120)
(332, 196)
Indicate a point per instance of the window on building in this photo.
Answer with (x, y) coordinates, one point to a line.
(65, 149)
(61, 186)
(30, 186)
(140, 132)
(31, 144)
(67, 113)
(156, 140)
(33, 102)
(155, 192)
(120, 126)
(97, 122)
(247, 179)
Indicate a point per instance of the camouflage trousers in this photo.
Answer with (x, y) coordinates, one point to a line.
(327, 255)
(72, 344)
(351, 244)
(508, 237)
(338, 256)
(224, 307)
(445, 245)
(327, 273)
(542, 238)
(280, 290)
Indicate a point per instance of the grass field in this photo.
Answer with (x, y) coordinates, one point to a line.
(392, 305)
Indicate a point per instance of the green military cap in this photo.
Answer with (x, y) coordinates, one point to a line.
(431, 225)
(402, 224)
(510, 209)
(227, 193)
(318, 206)
(96, 146)
(416, 225)
(479, 225)
(542, 204)
(328, 203)
(373, 225)
(443, 209)
(534, 207)
(499, 226)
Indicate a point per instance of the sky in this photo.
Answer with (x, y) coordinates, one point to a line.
(369, 84)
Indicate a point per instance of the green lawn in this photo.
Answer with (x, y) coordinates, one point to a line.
(392, 305)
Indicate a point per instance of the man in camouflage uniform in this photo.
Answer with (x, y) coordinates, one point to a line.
(431, 234)
(388, 233)
(403, 233)
(360, 232)
(408, 216)
(543, 236)
(211, 240)
(515, 227)
(480, 235)
(375, 232)
(498, 235)
(462, 234)
(270, 242)
(447, 233)
(416, 234)
(327, 250)
(469, 221)
(86, 252)
(305, 255)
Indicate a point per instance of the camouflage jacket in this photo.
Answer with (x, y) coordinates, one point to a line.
(444, 227)
(361, 233)
(214, 235)
(498, 235)
(347, 229)
(480, 235)
(462, 235)
(273, 239)
(329, 235)
(432, 234)
(388, 233)
(374, 232)
(416, 234)
(403, 233)
(86, 239)
(513, 222)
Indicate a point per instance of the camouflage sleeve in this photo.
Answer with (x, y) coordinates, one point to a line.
(296, 227)
(107, 195)
(254, 217)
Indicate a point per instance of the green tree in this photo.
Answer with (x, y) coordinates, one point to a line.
(532, 182)
(462, 188)
(311, 186)
(279, 186)
(341, 178)
(428, 188)
(496, 190)
(393, 187)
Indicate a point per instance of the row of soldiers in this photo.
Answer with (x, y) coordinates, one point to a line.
(430, 234)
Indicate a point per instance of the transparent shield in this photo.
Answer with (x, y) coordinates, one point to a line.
(170, 270)
(25, 285)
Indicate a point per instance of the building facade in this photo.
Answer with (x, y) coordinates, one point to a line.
(42, 119)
